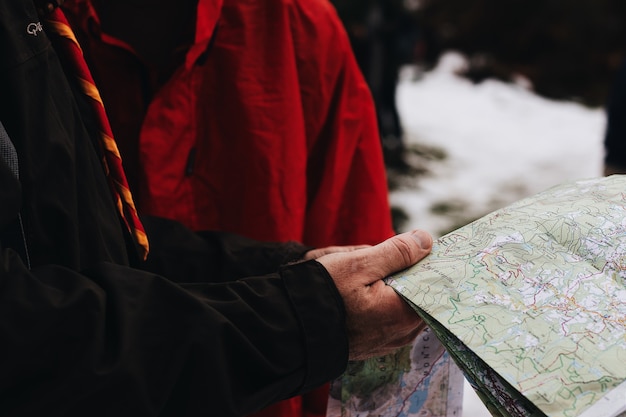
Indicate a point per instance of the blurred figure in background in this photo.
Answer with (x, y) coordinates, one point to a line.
(384, 36)
(615, 135)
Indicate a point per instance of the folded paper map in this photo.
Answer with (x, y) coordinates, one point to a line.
(530, 301)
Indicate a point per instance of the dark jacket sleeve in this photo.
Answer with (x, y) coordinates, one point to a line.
(112, 340)
(103, 339)
(116, 341)
(184, 256)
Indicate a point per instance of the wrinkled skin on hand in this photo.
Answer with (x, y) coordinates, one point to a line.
(316, 253)
(377, 319)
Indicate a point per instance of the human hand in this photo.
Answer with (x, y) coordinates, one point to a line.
(316, 253)
(378, 321)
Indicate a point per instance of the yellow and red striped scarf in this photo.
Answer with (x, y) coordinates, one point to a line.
(66, 43)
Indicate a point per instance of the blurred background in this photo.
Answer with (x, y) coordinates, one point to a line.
(567, 49)
(564, 51)
(481, 103)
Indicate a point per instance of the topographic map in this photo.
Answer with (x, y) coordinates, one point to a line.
(417, 381)
(530, 301)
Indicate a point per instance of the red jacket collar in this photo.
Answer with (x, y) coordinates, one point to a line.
(206, 21)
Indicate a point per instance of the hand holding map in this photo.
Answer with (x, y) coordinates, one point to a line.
(530, 300)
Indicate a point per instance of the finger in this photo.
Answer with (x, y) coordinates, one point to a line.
(391, 345)
(399, 312)
(316, 253)
(395, 314)
(399, 252)
(388, 348)
(407, 337)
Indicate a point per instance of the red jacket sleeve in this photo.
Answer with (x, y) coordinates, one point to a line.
(348, 200)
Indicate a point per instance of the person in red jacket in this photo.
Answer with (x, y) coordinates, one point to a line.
(248, 116)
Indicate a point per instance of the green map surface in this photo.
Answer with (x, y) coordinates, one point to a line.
(417, 381)
(530, 301)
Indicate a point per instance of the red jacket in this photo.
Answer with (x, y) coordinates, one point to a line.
(267, 128)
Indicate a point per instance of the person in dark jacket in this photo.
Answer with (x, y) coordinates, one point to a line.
(89, 328)
(250, 117)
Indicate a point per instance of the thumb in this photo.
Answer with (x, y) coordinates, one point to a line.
(401, 251)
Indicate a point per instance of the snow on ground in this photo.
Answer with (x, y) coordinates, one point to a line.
(502, 143)
(496, 142)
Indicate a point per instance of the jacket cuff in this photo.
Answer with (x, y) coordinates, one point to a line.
(293, 251)
(321, 313)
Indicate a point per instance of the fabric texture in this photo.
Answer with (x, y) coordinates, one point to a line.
(84, 334)
(7, 152)
(268, 129)
(265, 128)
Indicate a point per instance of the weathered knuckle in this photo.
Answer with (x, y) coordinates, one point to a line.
(405, 250)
